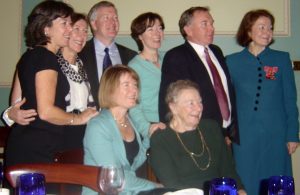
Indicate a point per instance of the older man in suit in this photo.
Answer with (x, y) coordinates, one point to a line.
(104, 23)
(202, 62)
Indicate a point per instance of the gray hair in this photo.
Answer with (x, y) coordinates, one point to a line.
(175, 89)
(92, 15)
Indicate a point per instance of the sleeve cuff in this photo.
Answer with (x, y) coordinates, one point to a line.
(6, 118)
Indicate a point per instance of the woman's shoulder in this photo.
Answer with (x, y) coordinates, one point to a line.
(161, 134)
(278, 53)
(210, 128)
(236, 55)
(135, 61)
(104, 118)
(206, 122)
(39, 58)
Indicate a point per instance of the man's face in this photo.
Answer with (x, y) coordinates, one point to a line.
(106, 24)
(201, 28)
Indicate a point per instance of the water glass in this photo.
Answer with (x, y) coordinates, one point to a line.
(31, 184)
(111, 180)
(281, 185)
(223, 186)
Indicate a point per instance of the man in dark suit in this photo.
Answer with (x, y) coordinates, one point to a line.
(104, 23)
(189, 61)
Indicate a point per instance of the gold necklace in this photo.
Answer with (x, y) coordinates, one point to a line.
(122, 124)
(155, 62)
(193, 155)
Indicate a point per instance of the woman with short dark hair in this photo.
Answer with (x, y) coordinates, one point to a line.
(44, 86)
(266, 96)
(147, 30)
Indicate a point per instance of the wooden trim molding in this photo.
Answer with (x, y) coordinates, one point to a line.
(227, 14)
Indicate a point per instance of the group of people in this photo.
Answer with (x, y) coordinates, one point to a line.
(189, 105)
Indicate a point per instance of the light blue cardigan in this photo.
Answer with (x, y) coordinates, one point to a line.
(103, 146)
(147, 110)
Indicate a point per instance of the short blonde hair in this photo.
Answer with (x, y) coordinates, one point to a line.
(110, 81)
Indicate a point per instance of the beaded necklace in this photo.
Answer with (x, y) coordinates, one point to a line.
(122, 124)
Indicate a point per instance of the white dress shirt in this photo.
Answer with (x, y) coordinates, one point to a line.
(200, 51)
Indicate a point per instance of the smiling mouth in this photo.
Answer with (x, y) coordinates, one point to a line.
(80, 43)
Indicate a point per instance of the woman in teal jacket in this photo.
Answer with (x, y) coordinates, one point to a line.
(111, 138)
(147, 30)
(266, 103)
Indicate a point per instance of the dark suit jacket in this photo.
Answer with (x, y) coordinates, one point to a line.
(88, 57)
(182, 62)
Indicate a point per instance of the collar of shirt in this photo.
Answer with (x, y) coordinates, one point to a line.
(99, 47)
(100, 53)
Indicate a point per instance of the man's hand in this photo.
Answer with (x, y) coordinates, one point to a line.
(22, 117)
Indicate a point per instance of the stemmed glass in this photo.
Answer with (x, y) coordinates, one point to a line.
(281, 185)
(111, 180)
(223, 186)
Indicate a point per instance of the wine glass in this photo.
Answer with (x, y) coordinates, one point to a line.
(281, 185)
(111, 180)
(223, 186)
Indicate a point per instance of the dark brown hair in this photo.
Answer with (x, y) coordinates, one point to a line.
(187, 16)
(141, 23)
(42, 16)
(242, 36)
(78, 16)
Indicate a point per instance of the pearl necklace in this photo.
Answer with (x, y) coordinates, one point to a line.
(193, 155)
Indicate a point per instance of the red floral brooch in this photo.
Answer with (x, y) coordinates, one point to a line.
(270, 72)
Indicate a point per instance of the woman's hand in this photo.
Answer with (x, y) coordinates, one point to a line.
(228, 141)
(159, 185)
(85, 116)
(292, 146)
(242, 192)
(156, 126)
(22, 117)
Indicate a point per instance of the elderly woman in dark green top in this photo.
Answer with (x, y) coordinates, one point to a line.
(190, 152)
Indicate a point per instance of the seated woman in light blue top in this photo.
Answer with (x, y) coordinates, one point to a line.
(147, 30)
(111, 138)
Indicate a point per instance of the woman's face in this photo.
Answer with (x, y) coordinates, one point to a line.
(78, 35)
(187, 109)
(261, 32)
(126, 94)
(59, 32)
(153, 36)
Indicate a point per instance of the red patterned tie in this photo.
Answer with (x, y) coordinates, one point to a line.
(218, 86)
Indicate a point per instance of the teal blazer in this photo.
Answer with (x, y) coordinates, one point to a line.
(267, 113)
(103, 146)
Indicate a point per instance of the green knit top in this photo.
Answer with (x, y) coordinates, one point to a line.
(174, 166)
